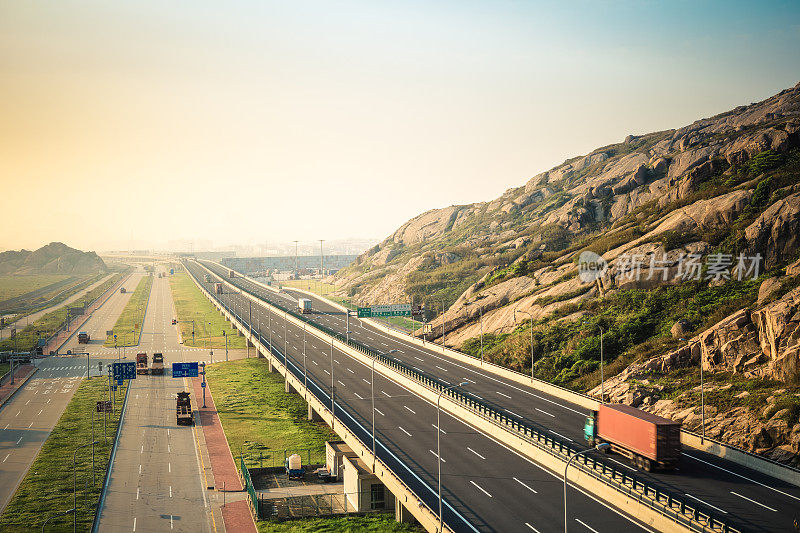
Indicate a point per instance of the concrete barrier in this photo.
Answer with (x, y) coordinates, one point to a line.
(628, 503)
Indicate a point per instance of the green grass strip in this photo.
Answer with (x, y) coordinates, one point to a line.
(47, 487)
(257, 414)
(129, 324)
(376, 522)
(192, 304)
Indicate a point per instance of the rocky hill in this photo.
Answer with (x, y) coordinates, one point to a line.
(673, 235)
(53, 258)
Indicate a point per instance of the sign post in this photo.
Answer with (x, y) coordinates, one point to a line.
(185, 370)
(384, 310)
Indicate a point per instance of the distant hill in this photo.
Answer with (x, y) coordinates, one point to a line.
(54, 258)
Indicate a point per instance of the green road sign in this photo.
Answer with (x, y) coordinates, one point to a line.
(384, 310)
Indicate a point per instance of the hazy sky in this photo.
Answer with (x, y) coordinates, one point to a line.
(250, 121)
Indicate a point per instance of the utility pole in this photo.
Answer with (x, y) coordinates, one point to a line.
(321, 261)
(295, 259)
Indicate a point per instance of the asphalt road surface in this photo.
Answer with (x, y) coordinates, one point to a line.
(28, 418)
(156, 481)
(753, 501)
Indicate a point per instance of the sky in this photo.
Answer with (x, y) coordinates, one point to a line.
(137, 124)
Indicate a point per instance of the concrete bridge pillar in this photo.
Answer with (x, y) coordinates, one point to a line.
(288, 387)
(313, 415)
(402, 514)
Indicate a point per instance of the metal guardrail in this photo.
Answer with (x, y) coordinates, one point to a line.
(695, 517)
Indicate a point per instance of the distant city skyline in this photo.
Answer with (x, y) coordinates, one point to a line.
(135, 125)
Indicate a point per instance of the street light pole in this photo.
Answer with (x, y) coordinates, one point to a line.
(285, 348)
(600, 447)
(75, 485)
(333, 390)
(531, 317)
(55, 515)
(305, 373)
(439, 447)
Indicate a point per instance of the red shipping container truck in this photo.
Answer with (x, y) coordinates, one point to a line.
(647, 439)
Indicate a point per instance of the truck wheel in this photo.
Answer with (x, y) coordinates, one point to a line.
(647, 464)
(639, 462)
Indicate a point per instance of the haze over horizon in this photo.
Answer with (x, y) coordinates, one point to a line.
(136, 125)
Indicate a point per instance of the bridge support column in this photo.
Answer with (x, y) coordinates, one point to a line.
(312, 415)
(269, 364)
(288, 387)
(401, 514)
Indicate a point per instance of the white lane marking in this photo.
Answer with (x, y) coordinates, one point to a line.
(5, 428)
(435, 454)
(440, 368)
(741, 476)
(30, 425)
(560, 435)
(350, 371)
(513, 413)
(443, 431)
(140, 469)
(314, 362)
(134, 523)
(476, 453)
(506, 395)
(168, 449)
(26, 403)
(418, 358)
(545, 412)
(170, 521)
(706, 503)
(169, 467)
(387, 395)
(404, 431)
(326, 372)
(7, 456)
(358, 396)
(40, 412)
(337, 362)
(137, 493)
(412, 411)
(142, 450)
(587, 526)
(170, 491)
(16, 415)
(48, 400)
(379, 412)
(480, 488)
(620, 463)
(753, 501)
(20, 440)
(340, 383)
(365, 381)
(526, 486)
(532, 528)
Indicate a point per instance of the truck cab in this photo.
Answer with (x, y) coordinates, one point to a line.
(83, 338)
(590, 429)
(158, 364)
(141, 363)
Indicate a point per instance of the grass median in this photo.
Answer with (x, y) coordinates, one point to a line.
(47, 487)
(192, 305)
(128, 327)
(258, 414)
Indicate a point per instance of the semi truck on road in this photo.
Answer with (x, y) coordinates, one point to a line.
(83, 338)
(158, 364)
(218, 288)
(141, 363)
(183, 410)
(304, 305)
(650, 441)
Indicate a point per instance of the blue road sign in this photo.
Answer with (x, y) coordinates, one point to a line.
(125, 370)
(184, 370)
(119, 382)
(203, 384)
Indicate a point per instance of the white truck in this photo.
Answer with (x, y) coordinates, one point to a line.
(304, 305)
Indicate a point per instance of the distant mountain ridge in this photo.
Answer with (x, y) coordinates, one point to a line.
(53, 258)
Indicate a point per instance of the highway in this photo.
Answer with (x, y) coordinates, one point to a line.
(156, 481)
(753, 501)
(28, 418)
(486, 486)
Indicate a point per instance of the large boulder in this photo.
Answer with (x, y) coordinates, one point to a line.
(774, 234)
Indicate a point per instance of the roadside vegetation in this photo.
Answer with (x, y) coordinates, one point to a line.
(47, 487)
(377, 522)
(258, 415)
(128, 327)
(13, 286)
(27, 337)
(192, 305)
(4, 368)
